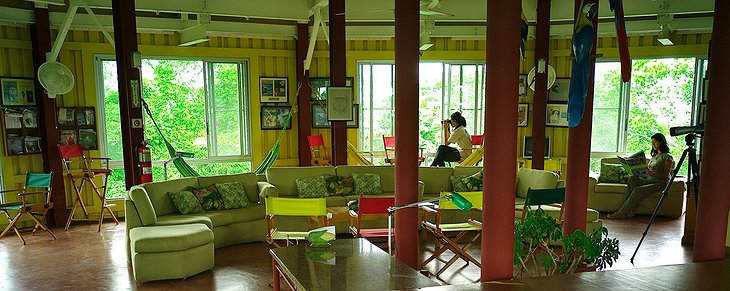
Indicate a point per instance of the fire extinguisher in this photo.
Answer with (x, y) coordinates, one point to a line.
(145, 162)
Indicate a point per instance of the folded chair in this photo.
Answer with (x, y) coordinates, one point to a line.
(320, 156)
(315, 209)
(458, 244)
(554, 197)
(389, 148)
(83, 174)
(41, 185)
(370, 208)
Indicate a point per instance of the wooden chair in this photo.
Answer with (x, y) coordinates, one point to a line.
(389, 148)
(315, 209)
(84, 173)
(36, 210)
(320, 156)
(370, 208)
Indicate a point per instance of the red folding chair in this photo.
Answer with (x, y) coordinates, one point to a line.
(370, 208)
(82, 174)
(389, 148)
(320, 156)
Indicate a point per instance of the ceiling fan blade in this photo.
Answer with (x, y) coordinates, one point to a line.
(435, 13)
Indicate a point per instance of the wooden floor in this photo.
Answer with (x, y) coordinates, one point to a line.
(81, 258)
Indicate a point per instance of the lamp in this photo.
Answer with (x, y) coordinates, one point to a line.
(456, 198)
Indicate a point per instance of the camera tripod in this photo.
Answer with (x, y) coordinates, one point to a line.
(693, 175)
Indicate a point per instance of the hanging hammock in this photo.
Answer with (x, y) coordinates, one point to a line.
(474, 158)
(274, 152)
(177, 157)
(357, 158)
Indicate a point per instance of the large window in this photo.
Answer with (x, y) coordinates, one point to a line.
(201, 107)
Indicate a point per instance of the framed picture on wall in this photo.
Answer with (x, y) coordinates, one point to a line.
(319, 116)
(559, 91)
(274, 90)
(319, 86)
(339, 103)
(275, 117)
(523, 85)
(17, 92)
(523, 114)
(355, 122)
(556, 115)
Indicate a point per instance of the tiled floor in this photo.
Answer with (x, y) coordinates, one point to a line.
(81, 259)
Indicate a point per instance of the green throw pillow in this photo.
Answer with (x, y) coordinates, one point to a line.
(208, 197)
(339, 185)
(613, 173)
(474, 182)
(233, 194)
(367, 184)
(311, 187)
(457, 185)
(185, 202)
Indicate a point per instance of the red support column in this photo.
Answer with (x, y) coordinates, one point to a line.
(41, 38)
(714, 194)
(542, 52)
(304, 115)
(130, 87)
(503, 63)
(338, 72)
(406, 129)
(579, 152)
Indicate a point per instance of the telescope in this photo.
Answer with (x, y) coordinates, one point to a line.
(680, 130)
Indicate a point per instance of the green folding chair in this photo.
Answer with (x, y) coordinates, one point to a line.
(315, 209)
(554, 197)
(37, 211)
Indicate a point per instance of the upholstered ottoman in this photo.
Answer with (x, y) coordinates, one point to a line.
(170, 252)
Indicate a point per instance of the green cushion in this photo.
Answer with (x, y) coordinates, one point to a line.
(311, 187)
(474, 182)
(179, 219)
(339, 185)
(247, 179)
(457, 185)
(613, 173)
(185, 202)
(367, 184)
(158, 239)
(157, 192)
(209, 197)
(233, 194)
(144, 207)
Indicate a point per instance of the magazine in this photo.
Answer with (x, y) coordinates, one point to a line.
(87, 139)
(32, 144)
(635, 165)
(16, 144)
(68, 137)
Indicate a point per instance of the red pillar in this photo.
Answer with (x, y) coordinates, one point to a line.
(714, 195)
(579, 152)
(130, 86)
(542, 52)
(406, 128)
(304, 114)
(338, 73)
(41, 38)
(503, 63)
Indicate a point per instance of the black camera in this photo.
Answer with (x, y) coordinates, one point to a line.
(680, 130)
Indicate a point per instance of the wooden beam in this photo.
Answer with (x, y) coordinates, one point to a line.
(539, 101)
(338, 72)
(304, 114)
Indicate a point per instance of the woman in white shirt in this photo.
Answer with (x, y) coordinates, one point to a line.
(460, 137)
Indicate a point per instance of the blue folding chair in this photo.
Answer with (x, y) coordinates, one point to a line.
(41, 183)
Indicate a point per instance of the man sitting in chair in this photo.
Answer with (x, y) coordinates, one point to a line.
(460, 137)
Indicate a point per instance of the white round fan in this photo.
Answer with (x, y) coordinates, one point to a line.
(56, 78)
(550, 77)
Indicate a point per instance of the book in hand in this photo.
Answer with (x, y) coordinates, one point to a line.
(635, 164)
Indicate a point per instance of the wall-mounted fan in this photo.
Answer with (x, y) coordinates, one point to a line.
(550, 78)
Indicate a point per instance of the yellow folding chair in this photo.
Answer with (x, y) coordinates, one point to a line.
(457, 245)
(36, 210)
(313, 208)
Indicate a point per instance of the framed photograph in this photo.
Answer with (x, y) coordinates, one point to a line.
(274, 90)
(523, 114)
(523, 85)
(705, 89)
(355, 122)
(18, 92)
(87, 139)
(274, 117)
(559, 91)
(339, 103)
(319, 86)
(66, 117)
(556, 115)
(702, 113)
(319, 116)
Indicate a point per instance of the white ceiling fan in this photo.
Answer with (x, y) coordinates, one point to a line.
(427, 7)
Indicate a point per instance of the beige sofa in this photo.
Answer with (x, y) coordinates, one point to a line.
(609, 197)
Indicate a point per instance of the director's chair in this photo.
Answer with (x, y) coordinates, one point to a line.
(36, 210)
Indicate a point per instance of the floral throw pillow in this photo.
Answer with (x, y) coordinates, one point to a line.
(457, 185)
(613, 173)
(367, 184)
(311, 187)
(185, 202)
(339, 185)
(474, 182)
(233, 194)
(209, 197)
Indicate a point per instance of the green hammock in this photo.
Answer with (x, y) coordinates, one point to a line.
(177, 157)
(274, 152)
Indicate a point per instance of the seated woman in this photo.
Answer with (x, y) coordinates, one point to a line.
(460, 137)
(639, 188)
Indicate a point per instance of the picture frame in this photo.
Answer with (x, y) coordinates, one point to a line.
(274, 89)
(339, 103)
(85, 116)
(66, 117)
(319, 116)
(274, 117)
(523, 85)
(355, 122)
(556, 115)
(319, 87)
(523, 114)
(702, 113)
(17, 91)
(559, 91)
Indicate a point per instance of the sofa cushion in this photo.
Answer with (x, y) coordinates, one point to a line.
(233, 194)
(144, 207)
(180, 219)
(160, 239)
(613, 173)
(311, 187)
(218, 218)
(209, 197)
(610, 188)
(157, 192)
(435, 179)
(283, 177)
(367, 184)
(534, 179)
(251, 213)
(465, 171)
(248, 180)
(185, 202)
(339, 185)
(457, 185)
(334, 201)
(473, 182)
(386, 173)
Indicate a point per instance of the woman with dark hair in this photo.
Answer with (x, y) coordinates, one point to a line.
(460, 137)
(638, 188)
